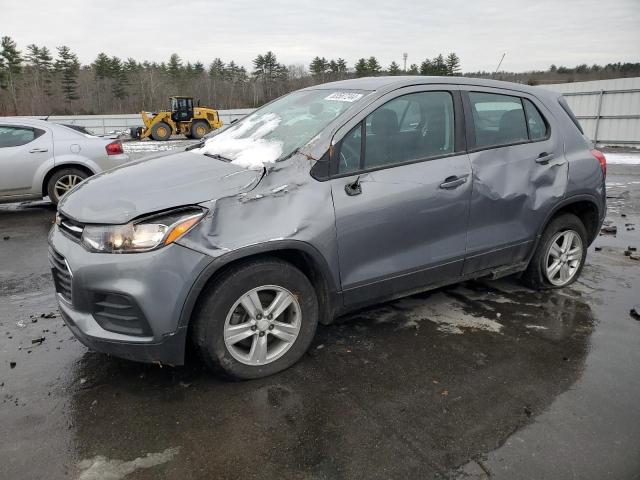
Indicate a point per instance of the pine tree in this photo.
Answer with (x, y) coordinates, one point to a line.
(342, 65)
(198, 68)
(320, 66)
(174, 67)
(101, 66)
(394, 69)
(426, 67)
(119, 79)
(439, 65)
(453, 64)
(362, 69)
(41, 62)
(11, 69)
(216, 68)
(373, 66)
(68, 67)
(413, 69)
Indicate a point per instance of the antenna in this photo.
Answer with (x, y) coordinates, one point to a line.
(499, 63)
(404, 57)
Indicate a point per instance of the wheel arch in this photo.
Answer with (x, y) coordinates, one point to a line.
(300, 254)
(586, 207)
(62, 166)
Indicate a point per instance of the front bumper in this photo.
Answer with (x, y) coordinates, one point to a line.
(155, 283)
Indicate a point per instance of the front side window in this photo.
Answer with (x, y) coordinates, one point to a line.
(16, 136)
(410, 127)
(498, 119)
(350, 150)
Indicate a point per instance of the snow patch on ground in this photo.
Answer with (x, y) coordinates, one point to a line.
(251, 151)
(102, 468)
(623, 158)
(438, 308)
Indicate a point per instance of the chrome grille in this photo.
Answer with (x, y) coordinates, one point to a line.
(61, 274)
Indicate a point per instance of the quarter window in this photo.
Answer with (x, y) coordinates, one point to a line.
(537, 126)
(16, 136)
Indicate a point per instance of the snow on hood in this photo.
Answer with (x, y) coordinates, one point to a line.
(248, 150)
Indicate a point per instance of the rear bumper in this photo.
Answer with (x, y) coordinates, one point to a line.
(153, 287)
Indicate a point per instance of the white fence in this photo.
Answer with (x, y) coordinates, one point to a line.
(103, 124)
(608, 110)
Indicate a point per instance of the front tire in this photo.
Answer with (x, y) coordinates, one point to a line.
(62, 181)
(161, 131)
(560, 255)
(258, 319)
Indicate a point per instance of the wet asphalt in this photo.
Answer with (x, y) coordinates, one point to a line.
(484, 379)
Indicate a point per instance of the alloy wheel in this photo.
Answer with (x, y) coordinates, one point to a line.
(563, 258)
(66, 183)
(262, 325)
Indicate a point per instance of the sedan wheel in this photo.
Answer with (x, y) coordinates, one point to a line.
(563, 257)
(262, 325)
(66, 183)
(62, 181)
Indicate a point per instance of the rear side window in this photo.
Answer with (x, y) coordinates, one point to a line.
(15, 136)
(538, 128)
(498, 119)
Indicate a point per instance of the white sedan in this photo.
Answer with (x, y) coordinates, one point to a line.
(40, 158)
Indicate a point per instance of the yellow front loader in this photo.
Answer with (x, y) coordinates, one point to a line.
(183, 119)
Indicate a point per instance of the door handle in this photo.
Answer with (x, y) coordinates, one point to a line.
(452, 182)
(38, 150)
(544, 157)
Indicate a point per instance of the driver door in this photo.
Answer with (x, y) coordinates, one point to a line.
(401, 188)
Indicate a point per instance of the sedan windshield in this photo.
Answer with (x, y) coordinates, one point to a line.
(280, 128)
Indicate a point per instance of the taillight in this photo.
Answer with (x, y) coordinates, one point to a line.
(601, 159)
(114, 148)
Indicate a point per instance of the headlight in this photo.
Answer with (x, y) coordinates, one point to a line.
(141, 235)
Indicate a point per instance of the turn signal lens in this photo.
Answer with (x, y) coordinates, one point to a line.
(181, 228)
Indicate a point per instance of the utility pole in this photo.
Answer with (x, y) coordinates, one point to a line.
(404, 57)
(499, 63)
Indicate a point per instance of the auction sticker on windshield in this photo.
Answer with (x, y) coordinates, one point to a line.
(344, 96)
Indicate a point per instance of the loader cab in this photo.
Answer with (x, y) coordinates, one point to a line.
(181, 109)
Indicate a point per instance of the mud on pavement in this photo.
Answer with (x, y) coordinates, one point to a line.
(477, 380)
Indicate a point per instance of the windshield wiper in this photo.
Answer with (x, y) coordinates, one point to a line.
(217, 156)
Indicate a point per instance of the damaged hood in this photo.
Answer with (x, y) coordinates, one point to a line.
(153, 184)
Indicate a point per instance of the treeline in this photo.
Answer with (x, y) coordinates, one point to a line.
(39, 81)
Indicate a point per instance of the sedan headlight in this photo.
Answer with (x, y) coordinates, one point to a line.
(142, 235)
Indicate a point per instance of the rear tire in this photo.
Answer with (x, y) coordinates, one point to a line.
(161, 131)
(271, 338)
(62, 181)
(560, 255)
(199, 129)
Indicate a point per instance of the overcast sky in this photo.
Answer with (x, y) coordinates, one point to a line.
(534, 34)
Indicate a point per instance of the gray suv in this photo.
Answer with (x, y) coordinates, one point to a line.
(323, 201)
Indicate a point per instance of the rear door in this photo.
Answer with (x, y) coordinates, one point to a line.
(519, 174)
(401, 187)
(22, 150)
